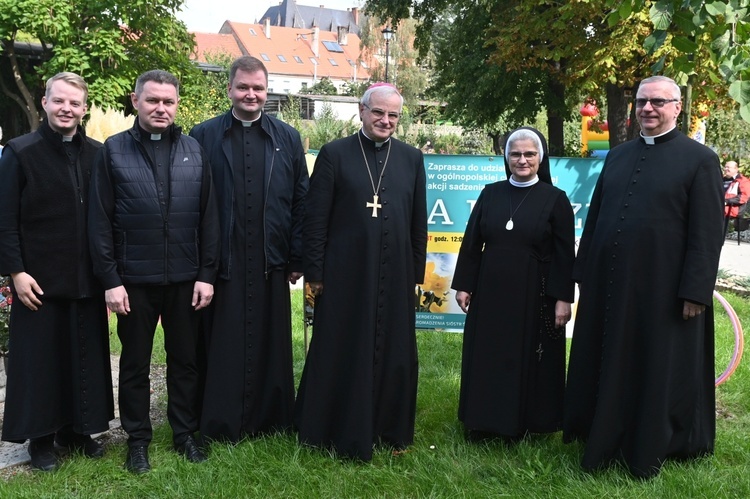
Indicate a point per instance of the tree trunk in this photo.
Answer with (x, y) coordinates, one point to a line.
(26, 101)
(555, 120)
(617, 115)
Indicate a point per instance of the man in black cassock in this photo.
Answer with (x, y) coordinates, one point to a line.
(641, 377)
(365, 245)
(260, 174)
(59, 378)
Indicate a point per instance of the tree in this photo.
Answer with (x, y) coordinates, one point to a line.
(581, 46)
(721, 29)
(404, 70)
(203, 96)
(108, 42)
(323, 87)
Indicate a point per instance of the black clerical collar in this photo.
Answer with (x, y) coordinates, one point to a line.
(377, 144)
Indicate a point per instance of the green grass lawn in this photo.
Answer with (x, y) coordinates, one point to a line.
(440, 463)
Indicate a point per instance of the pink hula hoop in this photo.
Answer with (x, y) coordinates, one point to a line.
(739, 340)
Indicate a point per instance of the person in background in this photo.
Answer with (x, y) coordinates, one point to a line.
(513, 278)
(260, 174)
(59, 387)
(155, 246)
(365, 241)
(736, 191)
(641, 376)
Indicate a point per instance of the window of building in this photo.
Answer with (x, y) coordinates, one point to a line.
(281, 57)
(298, 59)
(364, 65)
(265, 57)
(333, 62)
(252, 32)
(314, 60)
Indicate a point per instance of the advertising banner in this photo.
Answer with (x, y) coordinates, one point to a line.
(453, 186)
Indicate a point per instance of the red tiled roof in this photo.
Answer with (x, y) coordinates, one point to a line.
(288, 43)
(215, 43)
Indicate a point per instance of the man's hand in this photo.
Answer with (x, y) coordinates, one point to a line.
(463, 299)
(690, 309)
(117, 300)
(294, 276)
(202, 294)
(316, 287)
(562, 313)
(27, 290)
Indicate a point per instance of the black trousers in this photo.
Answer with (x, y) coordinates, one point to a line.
(184, 347)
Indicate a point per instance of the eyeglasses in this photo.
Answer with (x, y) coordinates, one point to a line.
(380, 114)
(515, 155)
(657, 102)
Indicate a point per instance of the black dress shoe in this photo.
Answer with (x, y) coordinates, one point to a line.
(43, 456)
(191, 450)
(84, 444)
(137, 460)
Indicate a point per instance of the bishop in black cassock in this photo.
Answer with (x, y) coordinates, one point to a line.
(641, 376)
(365, 244)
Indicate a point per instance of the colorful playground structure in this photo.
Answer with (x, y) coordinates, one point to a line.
(594, 132)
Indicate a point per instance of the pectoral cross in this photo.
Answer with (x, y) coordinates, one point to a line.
(374, 205)
(540, 351)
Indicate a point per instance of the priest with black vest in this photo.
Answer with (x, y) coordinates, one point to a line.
(365, 237)
(59, 386)
(155, 246)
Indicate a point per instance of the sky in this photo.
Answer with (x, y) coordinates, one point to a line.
(208, 15)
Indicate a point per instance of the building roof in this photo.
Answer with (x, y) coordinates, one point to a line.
(292, 15)
(215, 43)
(290, 51)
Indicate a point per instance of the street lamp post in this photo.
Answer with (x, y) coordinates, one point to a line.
(387, 34)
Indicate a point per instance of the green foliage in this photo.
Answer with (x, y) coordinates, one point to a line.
(729, 136)
(291, 113)
(327, 128)
(716, 31)
(355, 89)
(108, 42)
(322, 87)
(204, 95)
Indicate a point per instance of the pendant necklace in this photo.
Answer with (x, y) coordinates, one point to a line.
(509, 224)
(374, 205)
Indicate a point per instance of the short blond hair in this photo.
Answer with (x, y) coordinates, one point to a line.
(71, 79)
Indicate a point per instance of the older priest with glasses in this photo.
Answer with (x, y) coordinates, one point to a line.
(365, 239)
(641, 377)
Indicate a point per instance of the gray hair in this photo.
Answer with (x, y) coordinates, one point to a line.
(524, 134)
(382, 89)
(676, 92)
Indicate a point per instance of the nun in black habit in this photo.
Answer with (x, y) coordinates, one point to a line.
(513, 279)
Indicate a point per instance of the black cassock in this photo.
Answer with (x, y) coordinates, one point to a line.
(513, 362)
(249, 381)
(641, 378)
(359, 383)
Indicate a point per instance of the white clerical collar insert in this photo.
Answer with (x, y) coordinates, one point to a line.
(377, 144)
(245, 124)
(155, 136)
(651, 139)
(67, 138)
